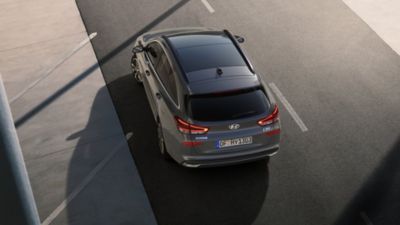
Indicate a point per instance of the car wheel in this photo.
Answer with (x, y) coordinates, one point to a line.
(161, 143)
(135, 69)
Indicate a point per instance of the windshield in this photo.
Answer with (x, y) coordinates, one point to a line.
(228, 107)
(209, 56)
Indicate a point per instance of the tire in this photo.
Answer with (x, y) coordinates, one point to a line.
(135, 70)
(161, 143)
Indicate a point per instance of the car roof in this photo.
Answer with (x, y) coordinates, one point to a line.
(211, 61)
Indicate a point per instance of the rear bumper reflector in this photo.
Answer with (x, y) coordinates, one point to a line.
(191, 143)
(273, 132)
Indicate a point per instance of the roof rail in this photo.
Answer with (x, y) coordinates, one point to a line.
(233, 39)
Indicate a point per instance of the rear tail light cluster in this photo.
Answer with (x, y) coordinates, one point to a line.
(271, 118)
(187, 128)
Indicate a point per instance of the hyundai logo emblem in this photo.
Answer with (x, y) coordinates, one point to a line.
(234, 126)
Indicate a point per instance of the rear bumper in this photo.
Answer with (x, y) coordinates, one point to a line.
(228, 159)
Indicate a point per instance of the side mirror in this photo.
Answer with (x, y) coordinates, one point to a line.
(137, 49)
(239, 39)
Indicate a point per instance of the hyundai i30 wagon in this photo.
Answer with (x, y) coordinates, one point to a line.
(210, 107)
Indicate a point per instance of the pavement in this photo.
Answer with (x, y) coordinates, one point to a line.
(332, 62)
(76, 153)
(382, 16)
(338, 74)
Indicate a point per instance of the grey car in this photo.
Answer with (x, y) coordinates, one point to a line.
(210, 107)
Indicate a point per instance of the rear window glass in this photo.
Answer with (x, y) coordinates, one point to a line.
(209, 56)
(228, 107)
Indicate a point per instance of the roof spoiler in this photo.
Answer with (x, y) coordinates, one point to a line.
(235, 42)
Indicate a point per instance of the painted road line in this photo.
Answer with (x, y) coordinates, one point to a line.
(85, 182)
(128, 135)
(208, 6)
(48, 72)
(288, 107)
(366, 218)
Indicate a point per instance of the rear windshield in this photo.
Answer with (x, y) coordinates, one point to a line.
(228, 107)
(209, 56)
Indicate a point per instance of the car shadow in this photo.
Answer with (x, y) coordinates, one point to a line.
(378, 200)
(178, 195)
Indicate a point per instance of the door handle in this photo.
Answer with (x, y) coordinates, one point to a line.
(158, 95)
(147, 73)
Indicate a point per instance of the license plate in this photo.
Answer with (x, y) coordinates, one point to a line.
(235, 142)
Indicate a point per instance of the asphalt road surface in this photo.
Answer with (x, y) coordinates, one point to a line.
(338, 75)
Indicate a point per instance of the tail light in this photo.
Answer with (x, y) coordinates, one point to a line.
(187, 128)
(271, 118)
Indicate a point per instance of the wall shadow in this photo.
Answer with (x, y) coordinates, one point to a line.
(101, 61)
(379, 197)
(178, 195)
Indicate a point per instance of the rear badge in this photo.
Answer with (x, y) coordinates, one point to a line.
(234, 126)
(201, 138)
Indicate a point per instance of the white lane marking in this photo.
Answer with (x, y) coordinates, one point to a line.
(84, 183)
(366, 218)
(128, 135)
(208, 6)
(382, 16)
(51, 69)
(289, 107)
